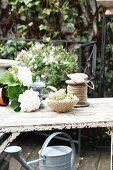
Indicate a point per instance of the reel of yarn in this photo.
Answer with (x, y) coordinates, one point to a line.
(78, 85)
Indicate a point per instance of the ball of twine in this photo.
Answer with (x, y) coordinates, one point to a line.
(80, 90)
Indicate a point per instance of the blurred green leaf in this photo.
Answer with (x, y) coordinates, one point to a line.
(42, 27)
(46, 11)
(15, 105)
(14, 92)
(8, 79)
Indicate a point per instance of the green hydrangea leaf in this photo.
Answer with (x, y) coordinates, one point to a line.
(15, 105)
(8, 79)
(14, 91)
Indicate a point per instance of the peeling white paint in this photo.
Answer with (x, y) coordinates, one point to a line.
(8, 141)
(98, 114)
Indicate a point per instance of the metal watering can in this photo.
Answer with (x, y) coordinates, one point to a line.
(50, 157)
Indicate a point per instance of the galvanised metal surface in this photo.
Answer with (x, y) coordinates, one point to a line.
(50, 158)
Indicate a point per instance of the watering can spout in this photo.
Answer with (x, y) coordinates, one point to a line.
(15, 151)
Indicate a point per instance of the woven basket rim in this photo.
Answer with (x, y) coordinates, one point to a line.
(61, 101)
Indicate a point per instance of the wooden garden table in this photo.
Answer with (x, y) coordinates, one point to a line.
(99, 113)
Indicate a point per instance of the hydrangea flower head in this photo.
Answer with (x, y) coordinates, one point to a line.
(25, 76)
(32, 103)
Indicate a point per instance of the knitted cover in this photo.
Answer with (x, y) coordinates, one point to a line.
(80, 90)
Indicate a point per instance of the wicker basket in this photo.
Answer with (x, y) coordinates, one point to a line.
(62, 106)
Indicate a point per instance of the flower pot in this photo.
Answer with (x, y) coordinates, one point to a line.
(4, 100)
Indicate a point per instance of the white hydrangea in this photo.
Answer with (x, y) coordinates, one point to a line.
(25, 75)
(29, 101)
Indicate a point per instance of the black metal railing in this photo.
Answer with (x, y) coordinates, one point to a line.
(105, 87)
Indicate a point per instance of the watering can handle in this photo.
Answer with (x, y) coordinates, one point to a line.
(52, 136)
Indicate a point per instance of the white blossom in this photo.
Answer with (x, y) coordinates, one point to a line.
(51, 53)
(44, 54)
(45, 60)
(37, 46)
(30, 55)
(35, 66)
(49, 60)
(25, 76)
(33, 60)
(65, 62)
(21, 54)
(29, 101)
(43, 76)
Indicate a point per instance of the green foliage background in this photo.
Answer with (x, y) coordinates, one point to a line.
(79, 20)
(57, 19)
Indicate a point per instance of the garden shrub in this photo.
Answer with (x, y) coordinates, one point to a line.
(51, 62)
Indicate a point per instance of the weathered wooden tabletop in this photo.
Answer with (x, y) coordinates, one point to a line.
(99, 113)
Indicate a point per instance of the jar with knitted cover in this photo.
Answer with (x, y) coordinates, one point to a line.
(78, 86)
(80, 90)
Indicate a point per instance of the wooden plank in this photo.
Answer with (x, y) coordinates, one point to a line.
(8, 141)
(17, 141)
(98, 114)
(104, 162)
(31, 144)
(90, 161)
(5, 139)
(77, 162)
(26, 151)
(28, 145)
(33, 156)
(4, 165)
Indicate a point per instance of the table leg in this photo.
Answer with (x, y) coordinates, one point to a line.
(110, 133)
(111, 149)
